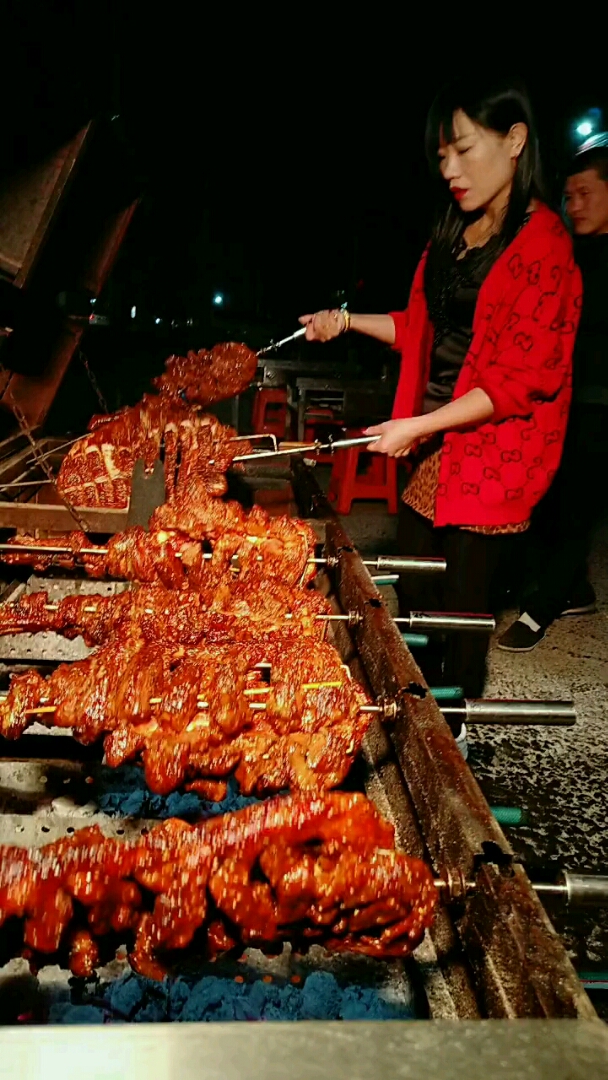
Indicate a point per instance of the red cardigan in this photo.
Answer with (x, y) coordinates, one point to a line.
(524, 328)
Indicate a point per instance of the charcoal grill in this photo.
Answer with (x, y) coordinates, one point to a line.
(492, 951)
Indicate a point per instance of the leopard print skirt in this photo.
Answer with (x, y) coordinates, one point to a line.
(421, 491)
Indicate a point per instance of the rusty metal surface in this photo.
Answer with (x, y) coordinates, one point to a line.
(102, 259)
(28, 204)
(515, 952)
(17, 465)
(458, 821)
(309, 497)
(34, 393)
(386, 787)
(519, 964)
(62, 212)
(440, 963)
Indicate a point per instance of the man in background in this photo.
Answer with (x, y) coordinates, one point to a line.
(578, 498)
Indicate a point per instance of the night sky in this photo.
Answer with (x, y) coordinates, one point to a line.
(279, 163)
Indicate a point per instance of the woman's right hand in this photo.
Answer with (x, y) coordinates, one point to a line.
(324, 325)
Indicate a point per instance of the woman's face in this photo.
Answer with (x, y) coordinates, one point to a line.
(479, 164)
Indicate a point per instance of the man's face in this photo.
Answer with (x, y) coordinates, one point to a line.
(586, 199)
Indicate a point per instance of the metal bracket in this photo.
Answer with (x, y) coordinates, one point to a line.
(147, 493)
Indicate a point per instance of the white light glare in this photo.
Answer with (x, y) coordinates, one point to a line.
(585, 128)
(218, 299)
(133, 311)
(158, 321)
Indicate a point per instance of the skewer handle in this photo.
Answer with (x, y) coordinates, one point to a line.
(576, 890)
(413, 564)
(344, 444)
(505, 713)
(584, 890)
(440, 620)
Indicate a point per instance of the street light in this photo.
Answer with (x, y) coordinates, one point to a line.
(587, 124)
(218, 299)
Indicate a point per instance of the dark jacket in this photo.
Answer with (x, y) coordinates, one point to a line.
(590, 360)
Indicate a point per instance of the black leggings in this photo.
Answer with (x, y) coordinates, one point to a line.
(466, 586)
(567, 516)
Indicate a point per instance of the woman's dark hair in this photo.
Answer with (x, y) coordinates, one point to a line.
(496, 106)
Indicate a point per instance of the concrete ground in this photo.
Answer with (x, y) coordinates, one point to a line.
(556, 775)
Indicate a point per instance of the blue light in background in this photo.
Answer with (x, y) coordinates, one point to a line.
(218, 299)
(587, 124)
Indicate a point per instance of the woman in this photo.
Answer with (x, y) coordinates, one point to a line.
(486, 345)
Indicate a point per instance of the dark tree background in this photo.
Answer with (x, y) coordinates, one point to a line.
(280, 162)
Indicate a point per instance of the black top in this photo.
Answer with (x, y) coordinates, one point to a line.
(590, 361)
(451, 299)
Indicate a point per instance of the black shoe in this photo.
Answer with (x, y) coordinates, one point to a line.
(583, 601)
(520, 637)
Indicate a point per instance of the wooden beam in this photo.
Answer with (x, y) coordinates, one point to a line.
(31, 516)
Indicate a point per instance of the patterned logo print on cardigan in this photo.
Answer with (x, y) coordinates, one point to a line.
(523, 334)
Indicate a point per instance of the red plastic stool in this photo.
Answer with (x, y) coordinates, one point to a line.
(378, 481)
(270, 411)
(324, 419)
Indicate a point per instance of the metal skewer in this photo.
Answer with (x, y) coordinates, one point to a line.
(309, 448)
(71, 442)
(283, 341)
(25, 483)
(526, 713)
(38, 549)
(416, 619)
(57, 449)
(252, 438)
(398, 563)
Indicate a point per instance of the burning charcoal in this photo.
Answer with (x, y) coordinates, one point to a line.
(179, 993)
(76, 1014)
(126, 994)
(267, 1001)
(153, 1012)
(365, 1003)
(321, 997)
(207, 997)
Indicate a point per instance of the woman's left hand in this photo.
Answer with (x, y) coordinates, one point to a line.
(396, 437)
